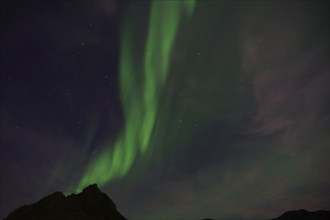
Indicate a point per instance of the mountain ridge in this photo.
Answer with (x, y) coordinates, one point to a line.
(303, 214)
(93, 204)
(90, 204)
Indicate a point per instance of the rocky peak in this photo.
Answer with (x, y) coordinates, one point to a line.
(90, 204)
(91, 189)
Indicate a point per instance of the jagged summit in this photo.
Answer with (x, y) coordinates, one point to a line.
(91, 188)
(90, 204)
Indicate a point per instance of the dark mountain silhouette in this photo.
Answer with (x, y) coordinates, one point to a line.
(90, 204)
(304, 215)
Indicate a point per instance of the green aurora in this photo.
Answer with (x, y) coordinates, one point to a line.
(140, 90)
(176, 109)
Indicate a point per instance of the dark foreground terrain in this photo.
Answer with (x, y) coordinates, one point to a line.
(92, 204)
(305, 215)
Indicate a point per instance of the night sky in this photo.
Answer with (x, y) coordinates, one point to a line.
(176, 109)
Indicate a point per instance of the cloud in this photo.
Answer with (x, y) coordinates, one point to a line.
(107, 8)
(260, 185)
(288, 68)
